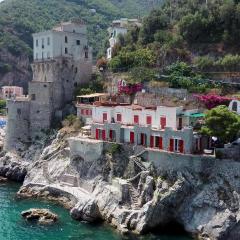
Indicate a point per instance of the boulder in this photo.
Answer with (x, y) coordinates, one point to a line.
(42, 216)
(3, 179)
(86, 210)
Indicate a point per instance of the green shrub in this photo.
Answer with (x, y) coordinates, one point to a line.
(115, 148)
(204, 63)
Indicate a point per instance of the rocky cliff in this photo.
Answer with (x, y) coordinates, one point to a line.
(128, 193)
(14, 70)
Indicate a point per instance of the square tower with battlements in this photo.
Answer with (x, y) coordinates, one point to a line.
(62, 61)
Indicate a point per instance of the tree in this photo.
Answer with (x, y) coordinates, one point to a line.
(222, 123)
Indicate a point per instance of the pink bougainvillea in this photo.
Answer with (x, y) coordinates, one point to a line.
(212, 100)
(130, 88)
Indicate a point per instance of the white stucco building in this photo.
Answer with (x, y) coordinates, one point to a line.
(160, 127)
(66, 39)
(119, 27)
(9, 92)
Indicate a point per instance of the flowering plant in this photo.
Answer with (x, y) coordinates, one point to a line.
(212, 100)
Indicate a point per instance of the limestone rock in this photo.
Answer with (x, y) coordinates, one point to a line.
(3, 179)
(42, 216)
(86, 210)
(12, 169)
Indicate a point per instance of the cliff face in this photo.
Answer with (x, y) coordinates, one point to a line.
(108, 184)
(14, 70)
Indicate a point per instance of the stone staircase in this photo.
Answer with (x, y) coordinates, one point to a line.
(134, 195)
(69, 180)
(138, 162)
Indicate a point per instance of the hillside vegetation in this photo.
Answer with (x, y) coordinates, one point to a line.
(200, 32)
(19, 19)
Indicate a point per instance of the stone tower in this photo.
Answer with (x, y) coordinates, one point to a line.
(62, 61)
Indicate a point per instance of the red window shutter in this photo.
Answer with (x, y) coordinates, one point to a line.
(149, 120)
(160, 143)
(119, 117)
(151, 142)
(104, 117)
(111, 134)
(90, 112)
(87, 112)
(82, 112)
(136, 119)
(181, 146)
(163, 122)
(171, 145)
(103, 135)
(132, 137)
(97, 134)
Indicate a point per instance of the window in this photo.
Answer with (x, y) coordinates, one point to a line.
(234, 106)
(176, 145)
(163, 122)
(86, 54)
(42, 42)
(104, 117)
(78, 42)
(66, 51)
(180, 123)
(149, 120)
(48, 41)
(66, 39)
(48, 54)
(36, 42)
(37, 56)
(42, 55)
(119, 117)
(19, 111)
(33, 97)
(136, 119)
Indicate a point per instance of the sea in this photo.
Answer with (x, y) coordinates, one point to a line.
(14, 227)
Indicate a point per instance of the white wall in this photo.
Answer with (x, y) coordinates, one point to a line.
(128, 115)
(57, 45)
(127, 135)
(97, 114)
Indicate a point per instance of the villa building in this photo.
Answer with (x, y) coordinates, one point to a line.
(85, 103)
(119, 27)
(162, 127)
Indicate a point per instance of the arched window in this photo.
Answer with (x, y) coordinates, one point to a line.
(234, 106)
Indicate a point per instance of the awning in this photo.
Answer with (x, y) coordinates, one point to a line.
(88, 127)
(93, 95)
(197, 115)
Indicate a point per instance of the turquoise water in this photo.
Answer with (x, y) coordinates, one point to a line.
(14, 227)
